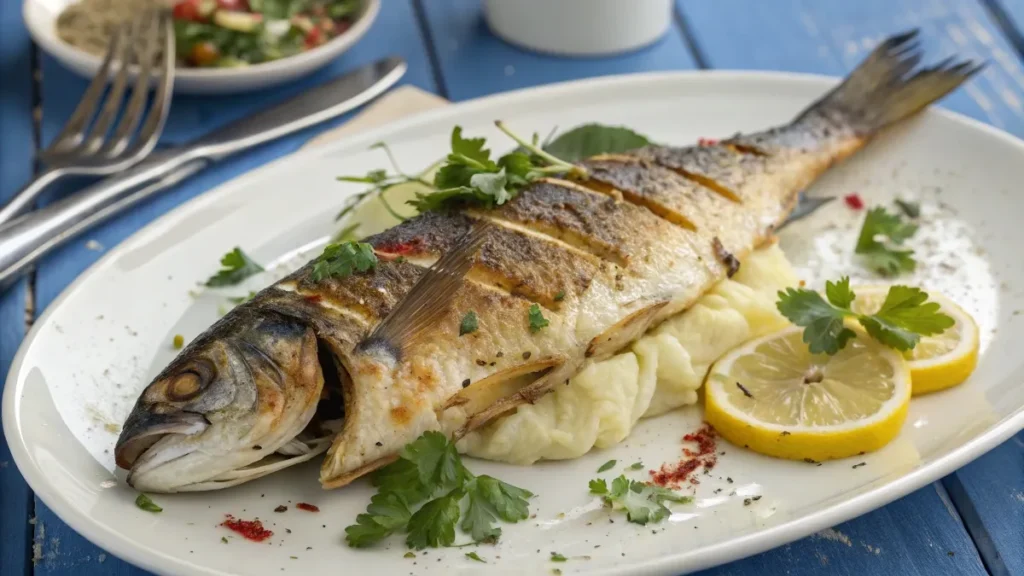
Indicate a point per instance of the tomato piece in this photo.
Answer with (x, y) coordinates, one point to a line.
(240, 5)
(187, 10)
(314, 38)
(204, 53)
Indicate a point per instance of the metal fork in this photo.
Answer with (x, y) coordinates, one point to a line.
(86, 145)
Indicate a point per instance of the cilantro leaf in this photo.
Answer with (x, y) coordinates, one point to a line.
(402, 478)
(480, 516)
(434, 523)
(492, 184)
(510, 502)
(469, 150)
(235, 267)
(469, 324)
(839, 293)
(437, 462)
(593, 139)
(904, 317)
(642, 502)
(475, 556)
(556, 557)
(537, 319)
(598, 486)
(606, 466)
(878, 242)
(343, 259)
(824, 330)
(145, 503)
(636, 466)
(387, 513)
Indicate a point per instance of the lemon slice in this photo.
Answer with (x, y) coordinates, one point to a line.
(940, 361)
(773, 396)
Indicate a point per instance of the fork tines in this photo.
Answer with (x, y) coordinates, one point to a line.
(145, 46)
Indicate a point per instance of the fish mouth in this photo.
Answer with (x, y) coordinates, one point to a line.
(143, 430)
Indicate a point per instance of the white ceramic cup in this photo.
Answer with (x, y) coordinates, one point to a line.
(579, 27)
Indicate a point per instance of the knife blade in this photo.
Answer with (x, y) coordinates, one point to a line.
(26, 239)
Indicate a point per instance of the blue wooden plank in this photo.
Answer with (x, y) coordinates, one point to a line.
(475, 63)
(877, 543)
(830, 38)
(60, 549)
(17, 143)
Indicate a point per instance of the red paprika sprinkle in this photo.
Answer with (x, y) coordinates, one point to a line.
(854, 201)
(249, 529)
(673, 474)
(307, 507)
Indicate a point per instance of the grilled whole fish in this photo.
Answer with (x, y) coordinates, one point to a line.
(605, 258)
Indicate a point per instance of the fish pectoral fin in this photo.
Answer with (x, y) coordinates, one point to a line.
(503, 395)
(483, 393)
(623, 332)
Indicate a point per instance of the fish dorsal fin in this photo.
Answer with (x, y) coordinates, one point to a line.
(430, 297)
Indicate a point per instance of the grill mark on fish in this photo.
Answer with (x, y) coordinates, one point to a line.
(607, 227)
(514, 259)
(714, 167)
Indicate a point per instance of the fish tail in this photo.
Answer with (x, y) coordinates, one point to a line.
(885, 88)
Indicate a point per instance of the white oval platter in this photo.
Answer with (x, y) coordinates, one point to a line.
(85, 360)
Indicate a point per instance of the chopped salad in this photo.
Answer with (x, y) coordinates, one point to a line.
(230, 33)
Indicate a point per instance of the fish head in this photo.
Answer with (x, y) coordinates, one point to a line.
(238, 394)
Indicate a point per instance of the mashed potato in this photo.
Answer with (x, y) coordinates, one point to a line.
(660, 372)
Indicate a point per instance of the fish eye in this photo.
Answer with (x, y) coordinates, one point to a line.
(190, 382)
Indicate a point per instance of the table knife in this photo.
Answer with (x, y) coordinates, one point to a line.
(26, 239)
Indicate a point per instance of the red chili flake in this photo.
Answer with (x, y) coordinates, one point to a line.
(706, 141)
(854, 201)
(307, 507)
(249, 529)
(674, 474)
(400, 248)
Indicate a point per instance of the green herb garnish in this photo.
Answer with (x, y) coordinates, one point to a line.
(470, 176)
(560, 296)
(556, 557)
(223, 540)
(909, 209)
(537, 319)
(879, 241)
(235, 267)
(903, 318)
(642, 502)
(240, 299)
(344, 259)
(144, 502)
(593, 139)
(469, 323)
(636, 466)
(475, 556)
(430, 474)
(607, 465)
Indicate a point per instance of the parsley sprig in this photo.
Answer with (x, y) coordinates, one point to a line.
(470, 176)
(381, 182)
(343, 259)
(429, 473)
(642, 502)
(880, 241)
(899, 323)
(235, 266)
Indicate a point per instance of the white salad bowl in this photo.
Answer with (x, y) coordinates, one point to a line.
(41, 21)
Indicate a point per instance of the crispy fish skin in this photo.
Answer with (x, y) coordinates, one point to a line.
(604, 258)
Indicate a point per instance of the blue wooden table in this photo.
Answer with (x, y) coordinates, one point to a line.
(971, 522)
